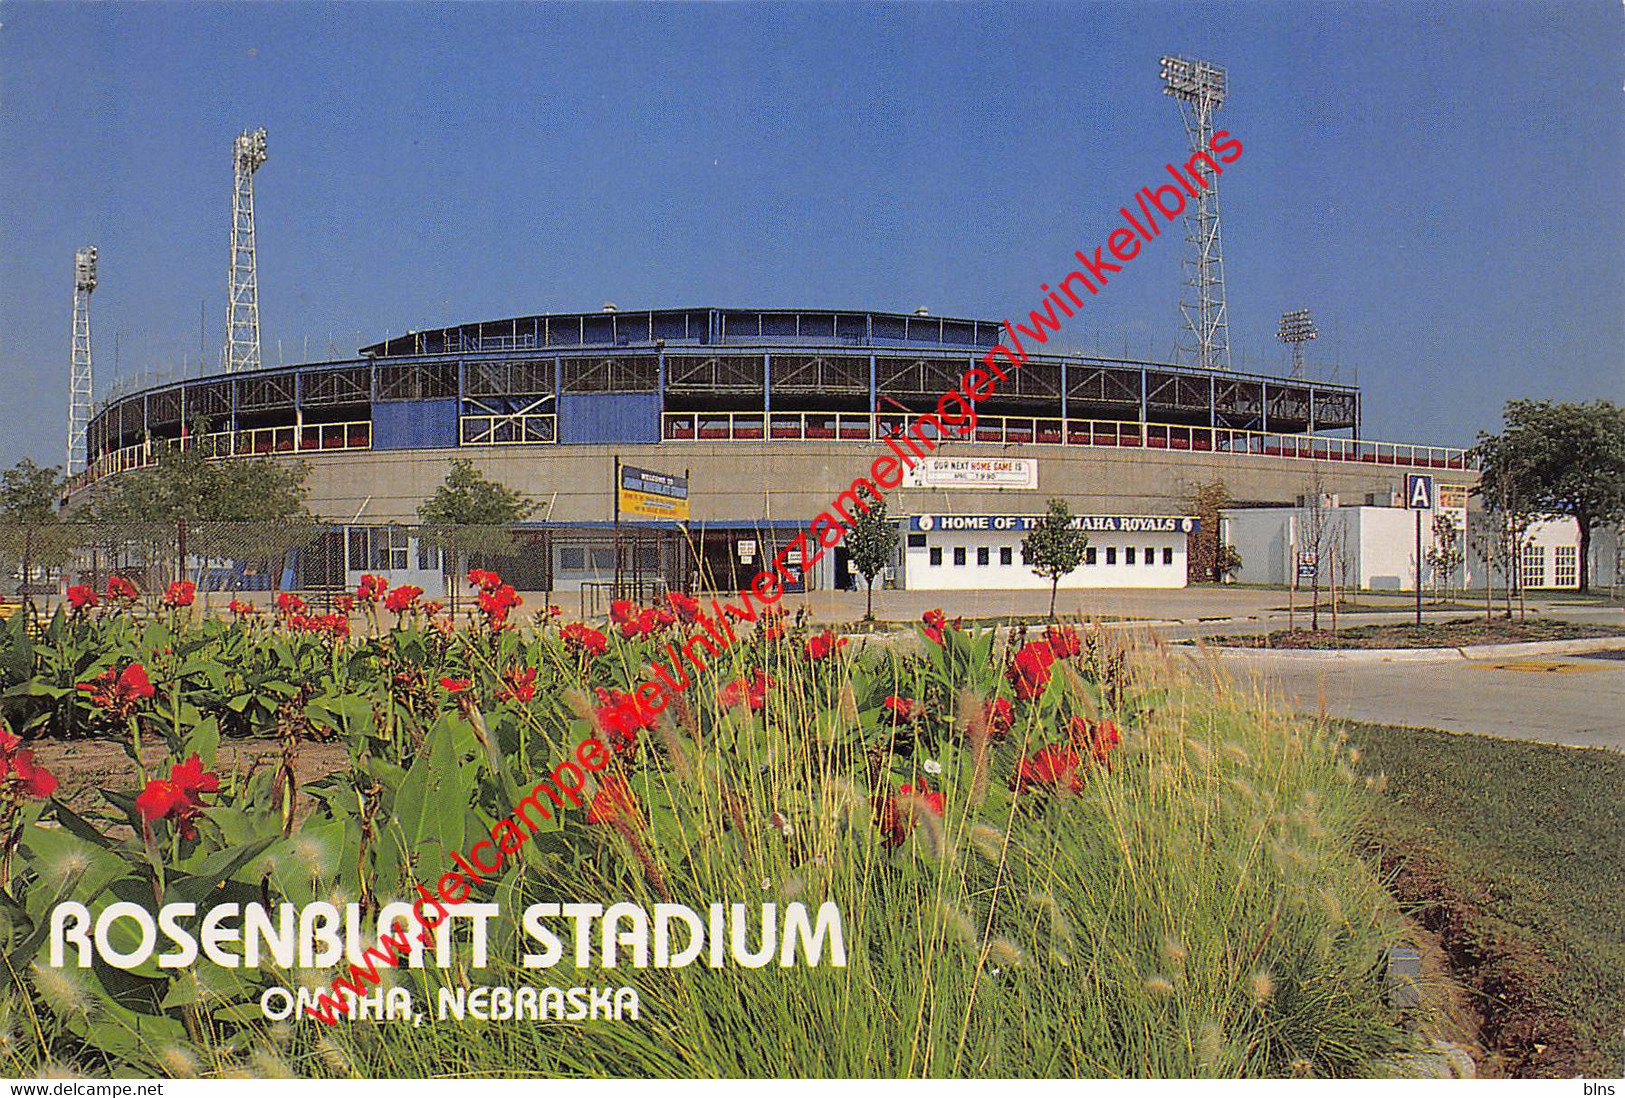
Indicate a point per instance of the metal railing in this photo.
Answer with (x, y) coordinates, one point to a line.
(252, 442)
(1021, 430)
(520, 429)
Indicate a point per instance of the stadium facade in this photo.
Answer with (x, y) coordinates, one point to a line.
(768, 414)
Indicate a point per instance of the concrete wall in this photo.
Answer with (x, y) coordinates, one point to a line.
(1379, 544)
(743, 480)
(1110, 567)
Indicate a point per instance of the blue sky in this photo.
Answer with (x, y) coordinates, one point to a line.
(1441, 183)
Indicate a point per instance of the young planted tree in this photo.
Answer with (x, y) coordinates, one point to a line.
(1444, 555)
(470, 513)
(28, 517)
(871, 543)
(1565, 460)
(1314, 539)
(1054, 547)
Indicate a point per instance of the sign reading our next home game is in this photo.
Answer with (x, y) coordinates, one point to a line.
(658, 495)
(973, 472)
(1104, 524)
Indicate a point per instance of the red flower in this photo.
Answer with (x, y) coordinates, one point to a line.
(822, 645)
(178, 797)
(496, 602)
(1031, 669)
(1001, 716)
(242, 608)
(647, 623)
(372, 588)
(518, 684)
(1056, 766)
(485, 581)
(344, 604)
(934, 622)
(453, 686)
(622, 611)
(1097, 737)
(180, 593)
(402, 600)
(623, 716)
(288, 604)
(82, 598)
(585, 638)
(903, 710)
(120, 588)
(554, 611)
(895, 816)
(119, 692)
(1063, 641)
(686, 607)
(433, 608)
(32, 780)
(613, 803)
(750, 692)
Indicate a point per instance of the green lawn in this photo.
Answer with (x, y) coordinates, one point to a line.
(1515, 854)
(1430, 634)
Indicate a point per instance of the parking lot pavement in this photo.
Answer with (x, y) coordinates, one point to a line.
(1576, 700)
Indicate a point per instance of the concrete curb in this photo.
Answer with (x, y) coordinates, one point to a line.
(1422, 655)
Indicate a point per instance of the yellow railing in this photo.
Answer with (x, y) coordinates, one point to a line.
(519, 429)
(254, 442)
(1022, 430)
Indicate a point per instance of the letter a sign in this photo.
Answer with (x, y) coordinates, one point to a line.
(1419, 491)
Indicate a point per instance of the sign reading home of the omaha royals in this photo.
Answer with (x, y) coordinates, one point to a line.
(658, 495)
(1112, 524)
(973, 472)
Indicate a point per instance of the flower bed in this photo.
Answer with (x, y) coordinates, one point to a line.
(1046, 865)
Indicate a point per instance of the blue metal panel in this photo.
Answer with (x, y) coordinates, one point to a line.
(609, 417)
(414, 425)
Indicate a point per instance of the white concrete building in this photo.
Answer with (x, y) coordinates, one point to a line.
(983, 552)
(1376, 547)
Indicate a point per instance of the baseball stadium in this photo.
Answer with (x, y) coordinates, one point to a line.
(756, 418)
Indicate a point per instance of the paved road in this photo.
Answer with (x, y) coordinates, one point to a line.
(1576, 700)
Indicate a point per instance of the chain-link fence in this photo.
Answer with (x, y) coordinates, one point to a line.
(253, 560)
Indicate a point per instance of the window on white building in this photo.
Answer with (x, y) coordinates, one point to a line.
(1565, 566)
(983, 556)
(1111, 554)
(1090, 555)
(1150, 554)
(1533, 566)
(1128, 555)
(1007, 555)
(1167, 555)
(936, 556)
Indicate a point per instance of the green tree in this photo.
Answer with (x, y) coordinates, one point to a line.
(469, 512)
(1566, 460)
(29, 522)
(1054, 547)
(185, 486)
(1445, 555)
(250, 508)
(871, 542)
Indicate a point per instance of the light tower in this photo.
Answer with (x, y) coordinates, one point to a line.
(1200, 88)
(1297, 328)
(80, 389)
(242, 306)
